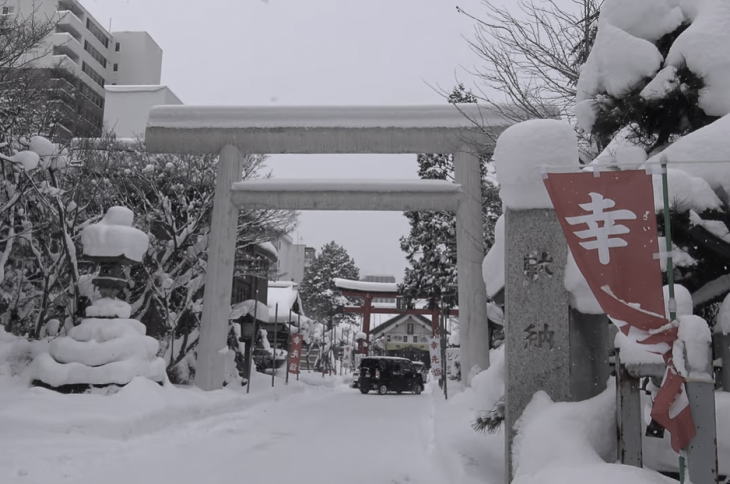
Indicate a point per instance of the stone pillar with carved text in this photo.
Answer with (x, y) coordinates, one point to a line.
(537, 330)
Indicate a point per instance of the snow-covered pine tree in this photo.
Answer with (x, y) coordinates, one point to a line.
(430, 247)
(320, 297)
(657, 82)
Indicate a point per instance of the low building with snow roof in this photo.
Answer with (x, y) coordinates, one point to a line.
(405, 335)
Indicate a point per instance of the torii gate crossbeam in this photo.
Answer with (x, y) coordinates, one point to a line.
(230, 131)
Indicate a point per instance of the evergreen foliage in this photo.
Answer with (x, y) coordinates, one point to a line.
(320, 298)
(430, 247)
(653, 124)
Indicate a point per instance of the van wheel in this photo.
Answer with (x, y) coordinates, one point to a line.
(382, 390)
(364, 389)
(417, 388)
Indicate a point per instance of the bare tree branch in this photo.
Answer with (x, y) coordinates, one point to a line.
(531, 55)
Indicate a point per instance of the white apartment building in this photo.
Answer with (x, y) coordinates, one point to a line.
(290, 264)
(127, 107)
(95, 56)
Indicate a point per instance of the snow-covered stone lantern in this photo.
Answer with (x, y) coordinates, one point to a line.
(362, 342)
(107, 348)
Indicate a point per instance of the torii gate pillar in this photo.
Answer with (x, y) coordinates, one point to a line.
(473, 325)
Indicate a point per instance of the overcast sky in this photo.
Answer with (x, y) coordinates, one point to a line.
(306, 52)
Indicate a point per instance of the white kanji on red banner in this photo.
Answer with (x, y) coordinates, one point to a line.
(609, 222)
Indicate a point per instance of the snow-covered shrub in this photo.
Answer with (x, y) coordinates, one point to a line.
(657, 84)
(43, 276)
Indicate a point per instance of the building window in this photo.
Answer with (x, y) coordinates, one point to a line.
(387, 338)
(97, 32)
(409, 328)
(98, 57)
(415, 339)
(116, 47)
(7, 10)
(92, 74)
(116, 67)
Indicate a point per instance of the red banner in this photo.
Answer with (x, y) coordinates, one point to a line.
(610, 224)
(609, 221)
(295, 350)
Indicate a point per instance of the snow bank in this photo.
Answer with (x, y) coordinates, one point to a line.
(617, 62)
(715, 227)
(27, 159)
(680, 258)
(140, 407)
(692, 352)
(690, 153)
(114, 236)
(42, 146)
(493, 264)
(622, 152)
(581, 296)
(488, 385)
(682, 297)
(567, 442)
(647, 19)
(664, 82)
(700, 48)
(469, 456)
(523, 151)
(686, 192)
(17, 353)
(635, 353)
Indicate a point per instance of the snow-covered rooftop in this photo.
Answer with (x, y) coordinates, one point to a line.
(366, 286)
(281, 298)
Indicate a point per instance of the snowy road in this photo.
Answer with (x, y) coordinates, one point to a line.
(316, 435)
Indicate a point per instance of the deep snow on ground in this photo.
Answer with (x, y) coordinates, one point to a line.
(317, 430)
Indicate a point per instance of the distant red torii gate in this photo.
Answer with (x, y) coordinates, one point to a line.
(367, 291)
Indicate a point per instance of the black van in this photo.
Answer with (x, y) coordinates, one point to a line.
(388, 373)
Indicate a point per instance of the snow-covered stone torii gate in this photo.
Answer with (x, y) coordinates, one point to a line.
(231, 131)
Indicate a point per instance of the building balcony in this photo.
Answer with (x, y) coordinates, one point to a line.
(71, 6)
(63, 85)
(67, 50)
(68, 29)
(58, 61)
(66, 39)
(69, 22)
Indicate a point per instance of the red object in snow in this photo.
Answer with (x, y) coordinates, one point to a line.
(671, 409)
(609, 221)
(295, 350)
